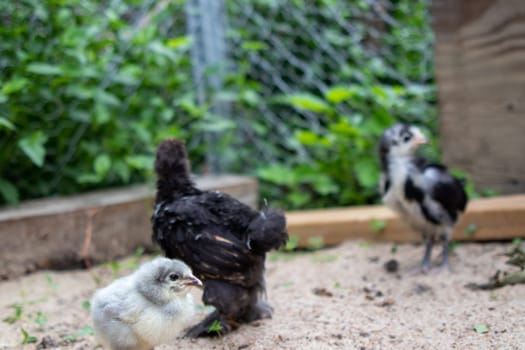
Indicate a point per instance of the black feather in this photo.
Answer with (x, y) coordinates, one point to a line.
(412, 192)
(223, 240)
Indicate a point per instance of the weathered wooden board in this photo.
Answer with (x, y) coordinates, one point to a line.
(98, 226)
(497, 218)
(480, 71)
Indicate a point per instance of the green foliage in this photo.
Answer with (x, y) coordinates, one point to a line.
(325, 115)
(87, 90)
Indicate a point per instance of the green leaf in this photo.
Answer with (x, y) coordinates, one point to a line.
(5, 123)
(344, 128)
(299, 199)
(179, 42)
(309, 138)
(140, 162)
(33, 147)
(88, 179)
(14, 85)
(307, 102)
(86, 305)
(471, 228)
(28, 339)
(277, 174)
(217, 124)
(40, 319)
(323, 184)
(250, 97)
(339, 94)
(85, 331)
(367, 172)
(315, 242)
(44, 69)
(9, 191)
(481, 328)
(215, 327)
(377, 225)
(107, 98)
(254, 45)
(292, 243)
(16, 316)
(102, 164)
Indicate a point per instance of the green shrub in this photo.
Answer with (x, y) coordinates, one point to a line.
(88, 88)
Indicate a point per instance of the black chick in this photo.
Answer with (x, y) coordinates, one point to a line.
(426, 195)
(223, 241)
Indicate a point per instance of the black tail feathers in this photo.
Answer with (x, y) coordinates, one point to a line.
(172, 168)
(267, 231)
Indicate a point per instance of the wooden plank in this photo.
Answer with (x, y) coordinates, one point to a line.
(480, 68)
(496, 218)
(101, 225)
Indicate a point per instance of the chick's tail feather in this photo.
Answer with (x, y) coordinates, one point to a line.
(172, 169)
(267, 231)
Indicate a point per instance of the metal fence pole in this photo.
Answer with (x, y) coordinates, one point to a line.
(206, 25)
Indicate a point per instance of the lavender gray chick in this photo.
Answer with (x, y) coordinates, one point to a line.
(147, 308)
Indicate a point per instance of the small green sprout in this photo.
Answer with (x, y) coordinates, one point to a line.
(315, 242)
(292, 243)
(377, 226)
(471, 228)
(393, 249)
(16, 316)
(215, 327)
(481, 328)
(28, 339)
(40, 319)
(51, 282)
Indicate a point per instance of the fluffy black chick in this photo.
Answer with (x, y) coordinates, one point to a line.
(223, 240)
(424, 194)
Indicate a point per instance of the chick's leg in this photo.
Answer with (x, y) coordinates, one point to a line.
(258, 309)
(425, 264)
(444, 242)
(230, 302)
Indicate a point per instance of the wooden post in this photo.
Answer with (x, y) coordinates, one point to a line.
(480, 71)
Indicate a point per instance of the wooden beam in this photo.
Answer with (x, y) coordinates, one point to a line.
(497, 218)
(97, 226)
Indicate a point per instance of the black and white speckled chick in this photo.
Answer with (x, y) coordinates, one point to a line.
(425, 195)
(223, 240)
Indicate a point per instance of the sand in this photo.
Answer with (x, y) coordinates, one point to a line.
(335, 298)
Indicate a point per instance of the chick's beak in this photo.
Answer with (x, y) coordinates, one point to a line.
(420, 139)
(192, 281)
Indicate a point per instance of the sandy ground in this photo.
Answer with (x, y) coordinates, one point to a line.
(332, 298)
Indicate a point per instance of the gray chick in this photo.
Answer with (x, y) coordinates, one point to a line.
(147, 308)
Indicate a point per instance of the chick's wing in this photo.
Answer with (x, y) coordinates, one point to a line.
(188, 230)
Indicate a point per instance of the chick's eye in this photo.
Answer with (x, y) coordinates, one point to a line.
(406, 138)
(173, 277)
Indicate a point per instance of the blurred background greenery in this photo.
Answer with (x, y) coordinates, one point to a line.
(89, 88)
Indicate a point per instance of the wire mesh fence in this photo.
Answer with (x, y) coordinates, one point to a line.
(89, 88)
(285, 55)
